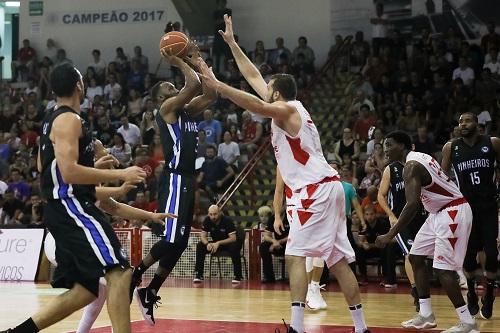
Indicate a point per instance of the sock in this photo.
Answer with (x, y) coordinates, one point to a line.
(297, 321)
(358, 318)
(413, 285)
(464, 314)
(156, 283)
(425, 306)
(28, 326)
(471, 285)
(139, 270)
(490, 287)
(314, 283)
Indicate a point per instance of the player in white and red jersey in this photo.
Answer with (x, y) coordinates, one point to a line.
(315, 196)
(444, 235)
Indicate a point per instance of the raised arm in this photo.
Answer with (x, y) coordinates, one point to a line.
(247, 68)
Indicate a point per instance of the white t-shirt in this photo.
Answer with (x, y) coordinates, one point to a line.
(99, 67)
(92, 92)
(493, 67)
(379, 30)
(229, 151)
(132, 135)
(27, 91)
(467, 75)
(113, 91)
(3, 187)
(487, 58)
(484, 117)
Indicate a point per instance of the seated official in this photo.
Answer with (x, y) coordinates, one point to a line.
(272, 244)
(223, 233)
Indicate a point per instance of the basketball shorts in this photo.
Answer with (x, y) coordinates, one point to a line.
(86, 245)
(407, 236)
(318, 223)
(176, 196)
(444, 236)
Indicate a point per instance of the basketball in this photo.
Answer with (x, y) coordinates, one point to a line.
(175, 43)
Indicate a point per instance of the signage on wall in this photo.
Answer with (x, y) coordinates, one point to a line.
(36, 8)
(19, 253)
(125, 16)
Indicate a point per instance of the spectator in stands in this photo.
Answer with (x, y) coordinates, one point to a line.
(348, 172)
(464, 72)
(105, 132)
(19, 187)
(121, 150)
(61, 58)
(371, 199)
(130, 132)
(223, 238)
(214, 174)
(347, 145)
(251, 132)
(229, 151)
(202, 143)
(121, 59)
(359, 51)
(374, 69)
(135, 78)
(408, 121)
(374, 167)
(11, 209)
(25, 64)
(259, 52)
(491, 39)
(492, 62)
(141, 201)
(142, 60)
(212, 127)
(113, 90)
(51, 49)
(272, 243)
(280, 55)
(363, 123)
(379, 28)
(375, 227)
(423, 142)
(98, 64)
(94, 90)
(306, 51)
(147, 127)
(377, 136)
(147, 163)
(361, 98)
(32, 88)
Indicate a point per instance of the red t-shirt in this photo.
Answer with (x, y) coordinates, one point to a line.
(250, 131)
(29, 138)
(379, 211)
(361, 127)
(26, 54)
(149, 167)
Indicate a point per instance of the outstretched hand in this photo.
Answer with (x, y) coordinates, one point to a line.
(161, 217)
(172, 60)
(207, 75)
(228, 35)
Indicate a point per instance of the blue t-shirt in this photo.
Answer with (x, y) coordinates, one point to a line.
(350, 193)
(213, 130)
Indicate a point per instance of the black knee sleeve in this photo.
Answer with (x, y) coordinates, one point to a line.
(160, 249)
(491, 252)
(169, 259)
(470, 261)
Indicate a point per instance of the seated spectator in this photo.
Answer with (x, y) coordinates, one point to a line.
(141, 60)
(18, 186)
(202, 143)
(121, 150)
(251, 132)
(105, 132)
(374, 167)
(115, 116)
(212, 127)
(259, 51)
(423, 142)
(367, 249)
(94, 90)
(363, 123)
(493, 63)
(371, 199)
(121, 59)
(464, 72)
(223, 234)
(304, 50)
(98, 64)
(135, 78)
(377, 137)
(11, 209)
(61, 58)
(280, 54)
(32, 212)
(347, 174)
(134, 104)
(348, 145)
(140, 201)
(229, 151)
(32, 88)
(25, 63)
(215, 173)
(113, 90)
(408, 121)
(147, 163)
(130, 132)
(147, 127)
(272, 242)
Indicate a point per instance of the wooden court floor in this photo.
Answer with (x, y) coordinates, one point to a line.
(217, 306)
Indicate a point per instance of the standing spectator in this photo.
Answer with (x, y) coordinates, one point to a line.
(360, 50)
(121, 59)
(379, 28)
(347, 145)
(130, 132)
(215, 173)
(113, 90)
(142, 60)
(491, 39)
(229, 151)
(212, 127)
(19, 187)
(305, 50)
(464, 72)
(280, 55)
(251, 132)
(423, 142)
(363, 123)
(272, 243)
(220, 48)
(223, 233)
(51, 50)
(98, 64)
(135, 78)
(121, 150)
(202, 143)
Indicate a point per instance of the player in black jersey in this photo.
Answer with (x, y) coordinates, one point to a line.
(87, 247)
(473, 158)
(178, 133)
(392, 199)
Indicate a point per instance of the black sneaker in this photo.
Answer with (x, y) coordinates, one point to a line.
(472, 303)
(415, 299)
(198, 278)
(147, 300)
(487, 308)
(134, 283)
(289, 329)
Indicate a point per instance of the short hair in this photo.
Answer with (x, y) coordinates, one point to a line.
(264, 210)
(15, 170)
(63, 80)
(472, 114)
(303, 38)
(96, 51)
(400, 137)
(155, 90)
(285, 85)
(369, 207)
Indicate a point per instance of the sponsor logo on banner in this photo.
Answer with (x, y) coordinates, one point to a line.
(19, 253)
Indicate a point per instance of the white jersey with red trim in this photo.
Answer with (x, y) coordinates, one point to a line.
(442, 190)
(300, 158)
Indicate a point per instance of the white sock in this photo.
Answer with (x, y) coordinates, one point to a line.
(315, 283)
(464, 314)
(297, 321)
(425, 307)
(91, 311)
(358, 318)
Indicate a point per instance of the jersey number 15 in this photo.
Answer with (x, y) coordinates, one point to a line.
(474, 177)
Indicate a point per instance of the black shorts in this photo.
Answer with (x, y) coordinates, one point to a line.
(407, 235)
(176, 196)
(86, 245)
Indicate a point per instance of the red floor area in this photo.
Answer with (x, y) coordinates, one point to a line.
(198, 326)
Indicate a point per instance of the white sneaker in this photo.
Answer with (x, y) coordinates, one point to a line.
(462, 327)
(420, 323)
(314, 300)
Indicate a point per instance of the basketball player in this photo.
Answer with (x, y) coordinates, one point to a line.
(87, 247)
(444, 235)
(391, 197)
(314, 194)
(178, 133)
(473, 158)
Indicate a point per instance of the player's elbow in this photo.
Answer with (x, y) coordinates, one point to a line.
(68, 172)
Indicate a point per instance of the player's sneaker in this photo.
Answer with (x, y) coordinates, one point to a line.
(472, 303)
(419, 322)
(198, 278)
(314, 299)
(147, 300)
(236, 280)
(462, 327)
(487, 308)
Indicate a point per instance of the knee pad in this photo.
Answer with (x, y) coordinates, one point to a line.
(318, 262)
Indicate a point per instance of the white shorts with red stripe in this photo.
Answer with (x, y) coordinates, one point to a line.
(444, 236)
(318, 222)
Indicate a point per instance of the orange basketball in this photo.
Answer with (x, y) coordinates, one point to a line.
(175, 43)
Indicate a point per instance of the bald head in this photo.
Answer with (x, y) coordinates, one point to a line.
(214, 213)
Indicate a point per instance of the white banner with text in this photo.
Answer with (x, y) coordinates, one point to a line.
(19, 253)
